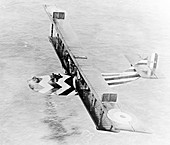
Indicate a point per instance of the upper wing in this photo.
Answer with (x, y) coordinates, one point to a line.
(96, 95)
(113, 113)
(63, 27)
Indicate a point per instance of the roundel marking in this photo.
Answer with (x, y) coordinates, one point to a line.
(118, 116)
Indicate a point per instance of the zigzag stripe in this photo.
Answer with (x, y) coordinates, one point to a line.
(68, 90)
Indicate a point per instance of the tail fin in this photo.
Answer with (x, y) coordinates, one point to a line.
(152, 64)
(149, 64)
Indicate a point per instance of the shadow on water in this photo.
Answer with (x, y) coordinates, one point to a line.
(57, 124)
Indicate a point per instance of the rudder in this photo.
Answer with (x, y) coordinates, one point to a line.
(152, 64)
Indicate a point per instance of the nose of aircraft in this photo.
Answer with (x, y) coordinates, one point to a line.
(33, 85)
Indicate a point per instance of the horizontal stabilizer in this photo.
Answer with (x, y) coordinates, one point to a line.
(114, 79)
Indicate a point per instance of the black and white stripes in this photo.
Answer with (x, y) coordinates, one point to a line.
(64, 85)
(113, 79)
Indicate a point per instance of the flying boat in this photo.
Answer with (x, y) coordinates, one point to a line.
(81, 78)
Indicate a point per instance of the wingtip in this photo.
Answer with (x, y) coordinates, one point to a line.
(145, 131)
(127, 122)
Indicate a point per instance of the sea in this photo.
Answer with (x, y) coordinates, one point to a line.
(108, 30)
